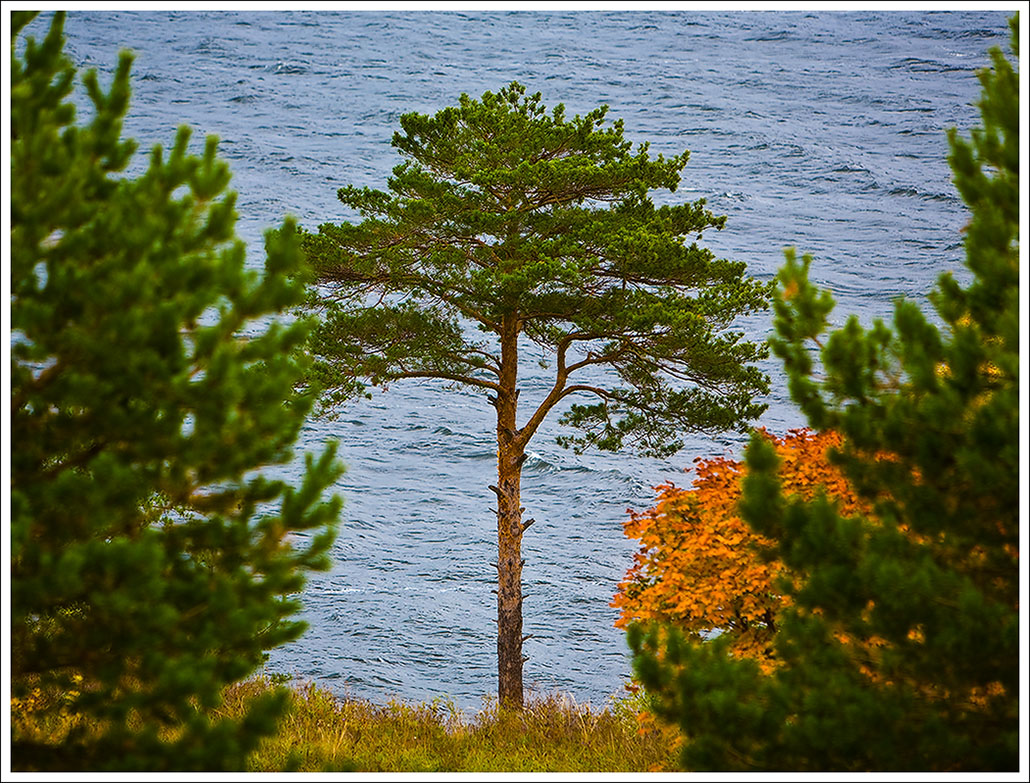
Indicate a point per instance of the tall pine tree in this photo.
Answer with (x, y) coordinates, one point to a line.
(151, 564)
(901, 649)
(507, 227)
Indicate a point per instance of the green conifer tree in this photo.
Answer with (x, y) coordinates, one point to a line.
(901, 650)
(537, 230)
(151, 564)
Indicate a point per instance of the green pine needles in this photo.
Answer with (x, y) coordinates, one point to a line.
(508, 226)
(151, 563)
(503, 210)
(900, 651)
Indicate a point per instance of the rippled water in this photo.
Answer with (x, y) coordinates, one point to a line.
(823, 130)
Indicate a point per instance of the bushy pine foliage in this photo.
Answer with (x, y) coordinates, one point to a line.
(930, 419)
(151, 563)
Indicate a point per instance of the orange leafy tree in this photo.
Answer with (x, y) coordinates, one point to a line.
(700, 568)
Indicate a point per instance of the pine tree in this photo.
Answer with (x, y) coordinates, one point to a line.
(151, 563)
(929, 416)
(537, 230)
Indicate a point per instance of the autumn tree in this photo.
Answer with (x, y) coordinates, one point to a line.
(701, 568)
(508, 226)
(929, 413)
(151, 562)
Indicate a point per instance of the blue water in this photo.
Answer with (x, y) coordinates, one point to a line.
(822, 130)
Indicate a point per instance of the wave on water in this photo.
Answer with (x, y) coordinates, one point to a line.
(288, 69)
(917, 65)
(923, 194)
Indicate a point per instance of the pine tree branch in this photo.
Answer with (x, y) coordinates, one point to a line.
(444, 376)
(576, 388)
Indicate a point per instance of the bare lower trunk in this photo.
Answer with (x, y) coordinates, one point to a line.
(509, 584)
(509, 528)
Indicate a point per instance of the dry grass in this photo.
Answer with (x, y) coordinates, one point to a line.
(321, 732)
(324, 733)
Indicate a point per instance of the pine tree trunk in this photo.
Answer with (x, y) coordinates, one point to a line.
(509, 526)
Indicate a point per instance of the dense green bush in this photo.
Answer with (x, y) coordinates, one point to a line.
(901, 649)
(151, 563)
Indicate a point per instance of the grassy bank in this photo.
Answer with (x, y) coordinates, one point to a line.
(322, 732)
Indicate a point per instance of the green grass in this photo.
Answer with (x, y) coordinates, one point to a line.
(324, 733)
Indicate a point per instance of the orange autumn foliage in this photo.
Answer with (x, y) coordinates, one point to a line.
(698, 567)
